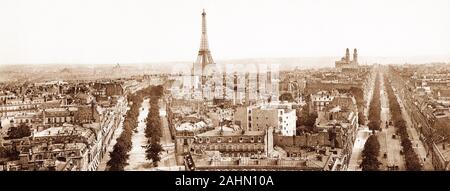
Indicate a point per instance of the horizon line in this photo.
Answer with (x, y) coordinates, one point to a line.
(234, 59)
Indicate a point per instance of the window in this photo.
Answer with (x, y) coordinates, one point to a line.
(230, 140)
(241, 140)
(207, 140)
(259, 139)
(218, 140)
(200, 140)
(252, 139)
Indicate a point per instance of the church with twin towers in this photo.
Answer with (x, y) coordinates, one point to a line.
(345, 61)
(231, 82)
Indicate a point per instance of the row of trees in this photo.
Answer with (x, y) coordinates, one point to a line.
(153, 129)
(412, 161)
(119, 155)
(375, 107)
(370, 154)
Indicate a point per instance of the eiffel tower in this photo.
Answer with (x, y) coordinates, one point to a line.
(204, 57)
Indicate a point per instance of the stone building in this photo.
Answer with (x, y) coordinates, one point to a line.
(281, 116)
(232, 143)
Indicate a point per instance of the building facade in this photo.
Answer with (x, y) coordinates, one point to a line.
(282, 117)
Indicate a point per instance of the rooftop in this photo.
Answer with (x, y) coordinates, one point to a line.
(230, 132)
(65, 130)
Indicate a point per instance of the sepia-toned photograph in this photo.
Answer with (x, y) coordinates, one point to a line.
(214, 85)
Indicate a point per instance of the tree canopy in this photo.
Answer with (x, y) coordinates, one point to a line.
(286, 97)
(305, 118)
(375, 107)
(370, 154)
(18, 132)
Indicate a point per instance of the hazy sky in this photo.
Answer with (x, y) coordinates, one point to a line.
(125, 31)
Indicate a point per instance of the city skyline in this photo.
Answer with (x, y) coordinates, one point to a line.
(224, 86)
(124, 32)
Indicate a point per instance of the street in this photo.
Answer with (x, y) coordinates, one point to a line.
(362, 135)
(389, 145)
(356, 157)
(137, 160)
(102, 166)
(168, 161)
